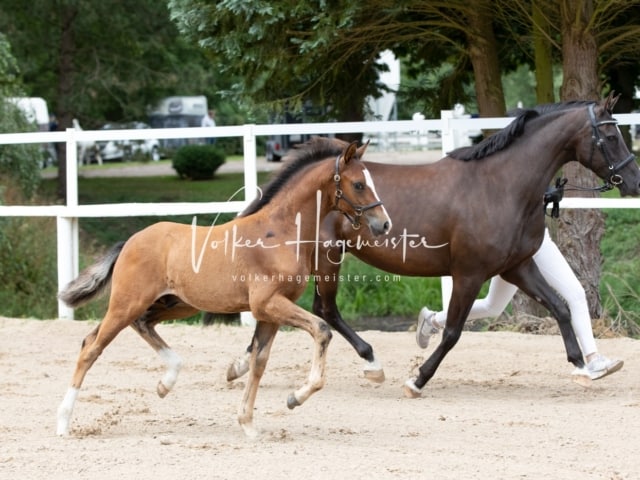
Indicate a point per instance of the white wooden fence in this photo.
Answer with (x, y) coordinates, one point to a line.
(67, 215)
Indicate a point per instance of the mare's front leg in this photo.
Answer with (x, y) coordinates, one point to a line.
(325, 306)
(528, 278)
(464, 292)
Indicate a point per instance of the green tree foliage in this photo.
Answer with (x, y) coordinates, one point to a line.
(103, 61)
(18, 163)
(283, 53)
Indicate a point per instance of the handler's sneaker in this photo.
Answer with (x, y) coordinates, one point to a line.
(426, 327)
(601, 366)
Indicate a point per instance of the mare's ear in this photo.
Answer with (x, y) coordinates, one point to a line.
(350, 152)
(611, 101)
(362, 149)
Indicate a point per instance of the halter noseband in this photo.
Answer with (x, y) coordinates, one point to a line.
(597, 141)
(358, 209)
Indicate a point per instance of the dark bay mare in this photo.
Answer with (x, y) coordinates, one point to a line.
(260, 262)
(475, 214)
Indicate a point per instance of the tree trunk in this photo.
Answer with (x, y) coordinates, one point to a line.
(65, 89)
(483, 50)
(542, 55)
(580, 231)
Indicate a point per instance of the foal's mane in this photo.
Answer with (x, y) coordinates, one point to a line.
(505, 137)
(298, 158)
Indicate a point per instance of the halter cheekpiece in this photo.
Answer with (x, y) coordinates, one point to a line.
(357, 209)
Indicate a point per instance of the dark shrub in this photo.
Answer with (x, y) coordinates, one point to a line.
(198, 162)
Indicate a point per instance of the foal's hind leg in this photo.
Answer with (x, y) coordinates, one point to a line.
(240, 365)
(166, 308)
(92, 346)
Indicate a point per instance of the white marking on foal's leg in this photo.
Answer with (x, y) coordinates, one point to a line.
(174, 364)
(65, 409)
(373, 371)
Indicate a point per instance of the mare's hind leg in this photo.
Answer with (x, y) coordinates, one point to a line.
(465, 290)
(165, 308)
(260, 348)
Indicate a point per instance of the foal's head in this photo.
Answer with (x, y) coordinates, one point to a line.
(350, 184)
(356, 195)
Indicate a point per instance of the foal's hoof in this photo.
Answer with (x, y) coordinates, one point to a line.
(376, 376)
(292, 401)
(238, 368)
(250, 431)
(410, 390)
(162, 390)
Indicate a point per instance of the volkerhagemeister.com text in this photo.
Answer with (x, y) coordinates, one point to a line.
(300, 279)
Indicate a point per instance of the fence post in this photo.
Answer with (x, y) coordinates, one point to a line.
(250, 189)
(448, 143)
(67, 227)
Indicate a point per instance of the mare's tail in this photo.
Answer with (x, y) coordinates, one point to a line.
(92, 281)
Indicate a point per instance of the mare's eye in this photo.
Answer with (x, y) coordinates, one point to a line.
(358, 185)
(612, 138)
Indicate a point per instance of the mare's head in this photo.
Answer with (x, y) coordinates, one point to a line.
(350, 184)
(600, 147)
(597, 142)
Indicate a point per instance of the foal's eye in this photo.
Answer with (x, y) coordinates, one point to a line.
(358, 185)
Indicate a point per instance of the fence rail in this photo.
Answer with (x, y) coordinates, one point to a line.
(67, 215)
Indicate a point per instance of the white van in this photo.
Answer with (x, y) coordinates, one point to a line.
(179, 112)
(36, 111)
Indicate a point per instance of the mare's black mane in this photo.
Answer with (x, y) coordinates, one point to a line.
(301, 156)
(505, 137)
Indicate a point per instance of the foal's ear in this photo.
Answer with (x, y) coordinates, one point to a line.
(362, 149)
(350, 152)
(611, 101)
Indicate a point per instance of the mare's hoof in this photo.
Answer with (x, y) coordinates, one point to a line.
(376, 376)
(582, 377)
(410, 390)
(292, 401)
(162, 390)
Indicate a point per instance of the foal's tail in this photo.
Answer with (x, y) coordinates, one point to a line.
(92, 281)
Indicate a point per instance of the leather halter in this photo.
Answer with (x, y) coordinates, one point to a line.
(358, 209)
(597, 141)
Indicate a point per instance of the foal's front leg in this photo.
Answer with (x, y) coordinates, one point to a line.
(279, 310)
(260, 349)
